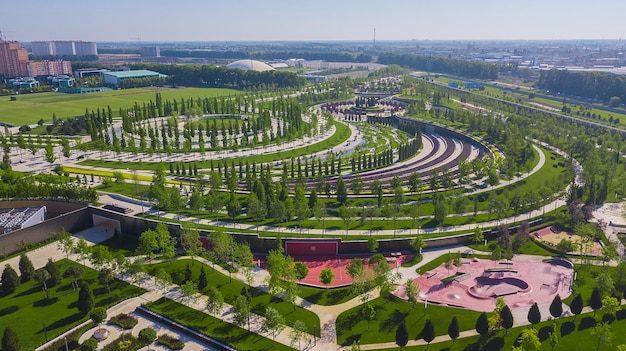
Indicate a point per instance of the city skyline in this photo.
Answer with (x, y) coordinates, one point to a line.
(324, 20)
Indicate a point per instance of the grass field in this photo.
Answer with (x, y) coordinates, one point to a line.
(232, 289)
(29, 108)
(27, 310)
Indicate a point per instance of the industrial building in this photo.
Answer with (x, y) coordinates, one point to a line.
(64, 48)
(17, 218)
(49, 68)
(24, 83)
(114, 79)
(87, 72)
(250, 65)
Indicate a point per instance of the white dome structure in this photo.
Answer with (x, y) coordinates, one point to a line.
(250, 65)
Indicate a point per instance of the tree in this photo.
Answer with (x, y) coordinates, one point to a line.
(327, 276)
(10, 340)
(73, 272)
(534, 315)
(377, 189)
(301, 270)
(191, 243)
(453, 329)
(441, 209)
(342, 191)
(298, 333)
(412, 291)
(554, 339)
(482, 325)
(273, 323)
(372, 244)
(506, 318)
(428, 333)
(529, 340)
(556, 307)
(611, 305)
(604, 334)
(147, 336)
(98, 315)
(595, 302)
(85, 298)
(356, 185)
(241, 311)
(27, 270)
(203, 281)
(576, 307)
(402, 335)
(347, 215)
(162, 278)
(189, 292)
(42, 276)
(215, 301)
(10, 280)
(417, 244)
(66, 242)
(355, 269)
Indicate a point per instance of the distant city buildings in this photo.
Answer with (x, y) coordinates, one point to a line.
(64, 48)
(13, 59)
(150, 51)
(14, 63)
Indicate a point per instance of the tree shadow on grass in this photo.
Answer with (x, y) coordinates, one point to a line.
(73, 319)
(587, 322)
(32, 290)
(544, 332)
(8, 310)
(494, 344)
(567, 328)
(45, 302)
(392, 321)
(621, 314)
(352, 339)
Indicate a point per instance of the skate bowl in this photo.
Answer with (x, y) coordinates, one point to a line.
(488, 287)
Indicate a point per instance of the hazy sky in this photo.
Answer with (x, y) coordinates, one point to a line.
(218, 20)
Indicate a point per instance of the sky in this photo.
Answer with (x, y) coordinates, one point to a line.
(317, 20)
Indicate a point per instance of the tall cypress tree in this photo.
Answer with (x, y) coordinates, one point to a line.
(507, 318)
(453, 329)
(534, 315)
(482, 325)
(10, 280)
(85, 298)
(576, 306)
(595, 302)
(27, 270)
(556, 307)
(10, 340)
(428, 333)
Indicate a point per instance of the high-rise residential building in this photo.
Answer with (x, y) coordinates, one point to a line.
(85, 48)
(49, 68)
(64, 48)
(43, 48)
(13, 59)
(150, 51)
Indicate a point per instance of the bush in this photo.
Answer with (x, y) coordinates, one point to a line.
(124, 321)
(147, 335)
(171, 342)
(90, 344)
(130, 343)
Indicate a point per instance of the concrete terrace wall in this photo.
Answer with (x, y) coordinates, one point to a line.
(73, 217)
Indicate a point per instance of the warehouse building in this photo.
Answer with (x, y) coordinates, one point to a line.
(114, 79)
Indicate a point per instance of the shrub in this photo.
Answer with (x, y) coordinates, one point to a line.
(147, 335)
(171, 342)
(90, 344)
(124, 321)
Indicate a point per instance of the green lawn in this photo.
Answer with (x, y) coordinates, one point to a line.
(227, 333)
(352, 326)
(326, 297)
(572, 335)
(29, 108)
(342, 133)
(27, 310)
(232, 289)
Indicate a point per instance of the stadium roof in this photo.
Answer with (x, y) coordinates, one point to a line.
(250, 65)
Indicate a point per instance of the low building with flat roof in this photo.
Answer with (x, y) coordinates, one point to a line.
(115, 78)
(23, 217)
